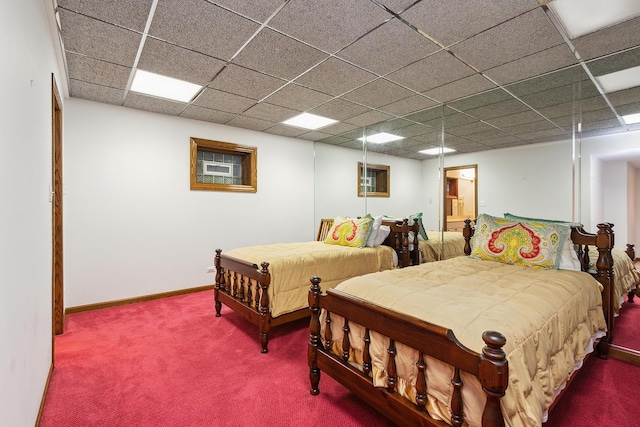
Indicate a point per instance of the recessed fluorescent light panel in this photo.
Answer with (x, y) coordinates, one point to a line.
(580, 17)
(623, 79)
(163, 86)
(434, 151)
(309, 121)
(381, 138)
(631, 118)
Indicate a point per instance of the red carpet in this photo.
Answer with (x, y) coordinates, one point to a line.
(627, 333)
(170, 362)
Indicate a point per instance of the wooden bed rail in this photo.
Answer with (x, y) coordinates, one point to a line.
(490, 367)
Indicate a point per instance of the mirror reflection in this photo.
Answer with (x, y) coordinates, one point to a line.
(534, 142)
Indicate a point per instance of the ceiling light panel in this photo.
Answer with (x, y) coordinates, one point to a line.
(623, 79)
(580, 17)
(163, 87)
(436, 151)
(631, 118)
(381, 138)
(309, 121)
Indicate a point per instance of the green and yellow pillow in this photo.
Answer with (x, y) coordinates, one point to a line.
(352, 232)
(532, 244)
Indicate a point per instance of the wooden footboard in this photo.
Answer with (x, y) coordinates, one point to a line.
(490, 367)
(243, 287)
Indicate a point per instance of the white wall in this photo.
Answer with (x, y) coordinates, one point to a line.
(28, 59)
(336, 184)
(534, 181)
(133, 226)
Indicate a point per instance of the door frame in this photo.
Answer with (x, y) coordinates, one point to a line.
(444, 191)
(57, 271)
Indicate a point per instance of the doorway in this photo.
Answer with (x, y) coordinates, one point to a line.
(460, 196)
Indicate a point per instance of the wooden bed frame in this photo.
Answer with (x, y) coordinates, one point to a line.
(491, 367)
(233, 273)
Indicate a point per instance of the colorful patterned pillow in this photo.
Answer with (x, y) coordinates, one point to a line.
(352, 232)
(418, 218)
(531, 244)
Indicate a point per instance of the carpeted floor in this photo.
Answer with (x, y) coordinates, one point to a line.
(171, 362)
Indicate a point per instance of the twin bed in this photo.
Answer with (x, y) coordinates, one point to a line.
(465, 341)
(274, 292)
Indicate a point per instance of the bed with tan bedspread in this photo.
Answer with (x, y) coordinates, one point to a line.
(549, 319)
(291, 265)
(433, 249)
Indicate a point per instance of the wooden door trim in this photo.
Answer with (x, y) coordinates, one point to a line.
(57, 273)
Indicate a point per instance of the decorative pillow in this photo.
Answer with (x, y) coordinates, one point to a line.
(384, 231)
(418, 218)
(352, 232)
(375, 227)
(568, 255)
(530, 244)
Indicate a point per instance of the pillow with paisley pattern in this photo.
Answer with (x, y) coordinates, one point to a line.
(352, 232)
(528, 243)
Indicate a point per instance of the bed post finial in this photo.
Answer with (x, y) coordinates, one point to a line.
(467, 232)
(494, 377)
(604, 275)
(218, 284)
(314, 335)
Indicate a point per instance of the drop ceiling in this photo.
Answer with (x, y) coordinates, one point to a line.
(497, 73)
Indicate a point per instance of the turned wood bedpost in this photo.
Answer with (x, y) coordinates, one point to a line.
(314, 335)
(494, 377)
(631, 251)
(219, 278)
(265, 315)
(467, 232)
(604, 265)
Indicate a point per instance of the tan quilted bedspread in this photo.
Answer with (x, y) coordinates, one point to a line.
(548, 317)
(432, 249)
(293, 264)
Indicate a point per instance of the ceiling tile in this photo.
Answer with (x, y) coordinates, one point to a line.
(278, 55)
(244, 82)
(339, 109)
(250, 123)
(206, 114)
(335, 77)
(258, 10)
(624, 97)
(454, 20)
(524, 35)
(408, 105)
(169, 60)
(389, 47)
(334, 140)
(515, 119)
(314, 135)
(609, 40)
(270, 112)
(223, 101)
(611, 64)
(377, 93)
(397, 6)
(94, 92)
(297, 97)
(156, 105)
(125, 13)
(339, 128)
(96, 71)
(441, 68)
(466, 86)
(188, 23)
(551, 59)
(285, 130)
(368, 118)
(329, 25)
(96, 39)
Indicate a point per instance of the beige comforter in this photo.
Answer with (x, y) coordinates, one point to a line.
(432, 249)
(625, 275)
(293, 264)
(548, 317)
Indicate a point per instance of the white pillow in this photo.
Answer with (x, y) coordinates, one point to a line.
(373, 236)
(383, 232)
(568, 256)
